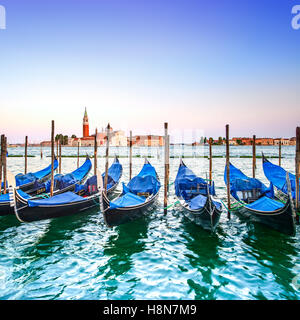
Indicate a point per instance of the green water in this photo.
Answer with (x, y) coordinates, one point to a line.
(157, 257)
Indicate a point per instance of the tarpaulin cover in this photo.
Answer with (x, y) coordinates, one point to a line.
(64, 198)
(240, 182)
(5, 197)
(187, 184)
(43, 173)
(22, 179)
(277, 175)
(199, 202)
(265, 204)
(23, 194)
(63, 181)
(83, 170)
(127, 200)
(90, 185)
(145, 182)
(114, 175)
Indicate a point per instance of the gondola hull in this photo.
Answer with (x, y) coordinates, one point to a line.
(207, 217)
(6, 209)
(281, 220)
(284, 197)
(117, 216)
(29, 214)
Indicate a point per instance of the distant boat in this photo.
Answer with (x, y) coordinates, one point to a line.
(256, 202)
(139, 196)
(84, 197)
(197, 198)
(277, 175)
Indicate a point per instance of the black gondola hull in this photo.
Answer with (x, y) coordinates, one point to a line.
(117, 216)
(6, 209)
(30, 214)
(206, 217)
(281, 220)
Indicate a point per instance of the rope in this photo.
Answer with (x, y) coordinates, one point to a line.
(172, 204)
(224, 205)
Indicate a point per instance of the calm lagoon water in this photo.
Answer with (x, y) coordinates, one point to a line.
(157, 257)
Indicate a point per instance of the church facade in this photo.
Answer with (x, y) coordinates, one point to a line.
(116, 138)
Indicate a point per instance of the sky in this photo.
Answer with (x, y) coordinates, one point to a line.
(195, 64)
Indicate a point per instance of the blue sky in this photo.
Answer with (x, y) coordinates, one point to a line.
(195, 64)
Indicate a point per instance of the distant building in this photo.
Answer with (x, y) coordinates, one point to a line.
(147, 140)
(284, 142)
(265, 141)
(233, 143)
(259, 141)
(243, 141)
(116, 138)
(46, 143)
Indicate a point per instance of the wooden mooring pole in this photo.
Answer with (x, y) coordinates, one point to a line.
(78, 155)
(41, 151)
(228, 170)
(26, 146)
(210, 162)
(59, 156)
(106, 157)
(253, 156)
(52, 158)
(279, 147)
(297, 171)
(4, 164)
(1, 162)
(130, 155)
(95, 153)
(167, 167)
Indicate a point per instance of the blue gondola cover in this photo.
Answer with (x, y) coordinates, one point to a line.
(145, 182)
(22, 179)
(240, 182)
(277, 175)
(265, 204)
(187, 184)
(64, 198)
(127, 200)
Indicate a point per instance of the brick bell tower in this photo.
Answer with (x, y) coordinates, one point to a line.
(86, 131)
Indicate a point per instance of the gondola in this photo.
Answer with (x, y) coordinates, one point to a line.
(277, 176)
(139, 196)
(62, 183)
(26, 181)
(84, 197)
(255, 201)
(197, 199)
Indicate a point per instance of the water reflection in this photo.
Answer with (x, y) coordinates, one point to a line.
(123, 244)
(276, 252)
